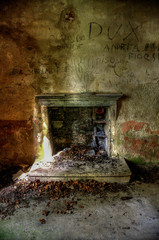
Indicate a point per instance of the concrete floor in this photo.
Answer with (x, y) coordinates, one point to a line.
(106, 215)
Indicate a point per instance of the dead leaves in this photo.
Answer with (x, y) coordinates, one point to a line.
(79, 153)
(80, 206)
(42, 220)
(54, 191)
(46, 213)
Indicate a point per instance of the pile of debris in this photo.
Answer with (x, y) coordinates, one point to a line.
(81, 153)
(19, 195)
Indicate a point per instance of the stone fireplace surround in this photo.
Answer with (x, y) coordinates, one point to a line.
(78, 100)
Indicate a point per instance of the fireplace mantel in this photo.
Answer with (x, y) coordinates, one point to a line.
(46, 102)
(79, 99)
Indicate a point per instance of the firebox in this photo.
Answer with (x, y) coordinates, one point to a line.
(79, 126)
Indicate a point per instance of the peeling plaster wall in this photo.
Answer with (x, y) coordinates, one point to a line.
(54, 46)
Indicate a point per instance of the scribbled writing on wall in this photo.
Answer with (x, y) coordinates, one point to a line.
(96, 29)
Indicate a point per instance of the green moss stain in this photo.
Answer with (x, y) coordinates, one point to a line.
(136, 160)
(118, 142)
(6, 234)
(40, 154)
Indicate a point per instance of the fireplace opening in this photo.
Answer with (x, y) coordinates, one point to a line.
(79, 128)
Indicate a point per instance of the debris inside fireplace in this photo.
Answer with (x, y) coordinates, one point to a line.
(80, 153)
(84, 130)
(79, 132)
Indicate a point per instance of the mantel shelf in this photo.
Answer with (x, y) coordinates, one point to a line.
(79, 100)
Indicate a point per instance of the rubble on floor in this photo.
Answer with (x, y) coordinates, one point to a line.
(29, 210)
(18, 194)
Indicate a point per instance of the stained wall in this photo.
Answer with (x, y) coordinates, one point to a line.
(71, 46)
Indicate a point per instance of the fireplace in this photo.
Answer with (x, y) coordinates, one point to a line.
(76, 120)
(75, 134)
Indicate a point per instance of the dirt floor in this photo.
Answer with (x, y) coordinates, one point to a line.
(79, 210)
